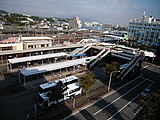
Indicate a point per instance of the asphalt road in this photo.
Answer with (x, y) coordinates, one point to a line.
(118, 104)
(17, 106)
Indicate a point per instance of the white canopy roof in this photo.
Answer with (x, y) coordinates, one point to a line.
(37, 57)
(54, 66)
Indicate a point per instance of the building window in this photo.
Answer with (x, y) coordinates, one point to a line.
(30, 46)
(43, 45)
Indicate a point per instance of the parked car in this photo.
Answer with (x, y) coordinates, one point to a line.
(145, 92)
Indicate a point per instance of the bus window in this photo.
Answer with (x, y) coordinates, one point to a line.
(75, 90)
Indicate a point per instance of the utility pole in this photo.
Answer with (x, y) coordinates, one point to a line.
(74, 102)
(35, 110)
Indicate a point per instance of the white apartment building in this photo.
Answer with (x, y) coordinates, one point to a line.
(145, 30)
(75, 23)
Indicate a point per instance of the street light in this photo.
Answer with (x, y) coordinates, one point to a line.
(110, 78)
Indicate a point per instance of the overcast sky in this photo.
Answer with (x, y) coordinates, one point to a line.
(104, 11)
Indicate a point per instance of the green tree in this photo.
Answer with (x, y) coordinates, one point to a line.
(87, 81)
(150, 104)
(110, 67)
(56, 92)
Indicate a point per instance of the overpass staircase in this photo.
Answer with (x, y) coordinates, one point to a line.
(99, 57)
(131, 65)
(81, 50)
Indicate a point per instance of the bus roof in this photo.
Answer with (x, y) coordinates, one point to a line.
(54, 83)
(48, 85)
(73, 86)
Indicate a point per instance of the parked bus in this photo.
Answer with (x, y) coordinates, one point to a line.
(58, 91)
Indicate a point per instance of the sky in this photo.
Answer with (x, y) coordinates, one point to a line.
(103, 11)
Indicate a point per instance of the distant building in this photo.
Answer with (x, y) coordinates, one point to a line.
(1, 25)
(119, 33)
(36, 42)
(21, 43)
(10, 44)
(145, 30)
(75, 23)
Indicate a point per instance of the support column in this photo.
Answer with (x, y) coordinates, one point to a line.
(7, 65)
(24, 78)
(139, 67)
(19, 76)
(27, 64)
(10, 66)
(74, 69)
(2, 59)
(37, 76)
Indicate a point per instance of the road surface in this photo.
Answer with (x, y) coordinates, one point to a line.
(118, 104)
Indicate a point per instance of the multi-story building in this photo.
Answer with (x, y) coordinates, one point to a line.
(144, 31)
(10, 44)
(22, 43)
(75, 23)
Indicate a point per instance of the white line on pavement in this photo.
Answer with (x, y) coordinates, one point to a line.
(148, 79)
(118, 98)
(144, 67)
(108, 94)
(127, 104)
(138, 111)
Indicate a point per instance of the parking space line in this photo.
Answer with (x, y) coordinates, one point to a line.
(108, 94)
(144, 67)
(138, 111)
(148, 79)
(118, 98)
(127, 104)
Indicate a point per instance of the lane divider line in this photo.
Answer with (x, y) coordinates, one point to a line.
(108, 94)
(148, 79)
(127, 104)
(118, 98)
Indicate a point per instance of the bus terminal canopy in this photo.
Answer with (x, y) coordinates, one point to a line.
(37, 57)
(54, 66)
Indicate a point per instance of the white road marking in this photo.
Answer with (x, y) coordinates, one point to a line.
(118, 98)
(148, 79)
(138, 111)
(108, 94)
(127, 104)
(144, 67)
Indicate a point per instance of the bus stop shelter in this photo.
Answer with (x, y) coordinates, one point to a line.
(52, 67)
(10, 62)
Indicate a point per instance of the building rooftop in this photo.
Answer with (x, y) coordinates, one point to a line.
(37, 57)
(6, 41)
(36, 38)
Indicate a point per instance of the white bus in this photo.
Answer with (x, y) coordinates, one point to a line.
(57, 91)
